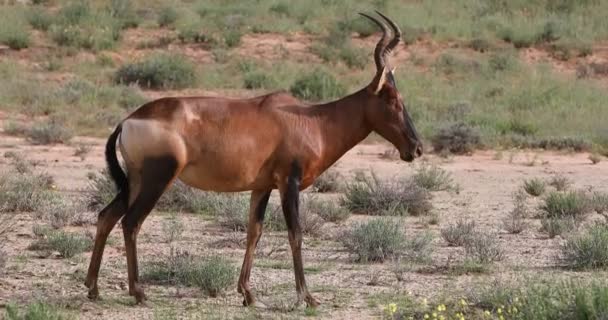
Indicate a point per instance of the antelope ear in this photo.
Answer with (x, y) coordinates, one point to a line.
(379, 81)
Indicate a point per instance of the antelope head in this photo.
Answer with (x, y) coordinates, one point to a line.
(385, 110)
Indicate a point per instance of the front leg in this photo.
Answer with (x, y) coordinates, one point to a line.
(290, 199)
(257, 208)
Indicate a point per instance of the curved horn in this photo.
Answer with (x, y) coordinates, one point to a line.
(396, 34)
(379, 52)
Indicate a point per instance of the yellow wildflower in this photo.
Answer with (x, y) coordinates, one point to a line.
(463, 302)
(487, 313)
(434, 314)
(515, 310)
(441, 307)
(426, 316)
(392, 308)
(499, 311)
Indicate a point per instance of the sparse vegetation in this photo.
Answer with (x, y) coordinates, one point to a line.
(375, 196)
(587, 250)
(329, 181)
(483, 248)
(317, 85)
(534, 187)
(25, 192)
(457, 138)
(158, 72)
(560, 183)
(67, 244)
(573, 204)
(49, 132)
(329, 210)
(376, 240)
(212, 275)
(433, 178)
(458, 234)
(515, 222)
(557, 226)
(34, 311)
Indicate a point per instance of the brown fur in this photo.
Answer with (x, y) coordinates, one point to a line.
(260, 144)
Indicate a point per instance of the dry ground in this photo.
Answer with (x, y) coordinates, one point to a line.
(346, 289)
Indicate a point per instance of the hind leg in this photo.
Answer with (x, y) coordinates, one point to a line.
(156, 175)
(105, 222)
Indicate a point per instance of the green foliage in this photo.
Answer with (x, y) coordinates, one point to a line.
(433, 178)
(33, 311)
(259, 80)
(459, 234)
(159, 71)
(376, 240)
(49, 132)
(560, 182)
(515, 222)
(587, 250)
(557, 226)
(374, 196)
(167, 16)
(13, 29)
(23, 191)
(328, 181)
(317, 85)
(67, 244)
(212, 275)
(39, 19)
(329, 211)
(572, 204)
(457, 138)
(534, 187)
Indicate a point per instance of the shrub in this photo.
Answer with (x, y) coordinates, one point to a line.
(458, 234)
(457, 138)
(534, 187)
(418, 248)
(124, 12)
(556, 226)
(100, 191)
(560, 183)
(180, 197)
(39, 19)
(310, 221)
(259, 80)
(63, 212)
(160, 71)
(317, 85)
(172, 228)
(376, 240)
(599, 202)
(67, 244)
(374, 196)
(329, 211)
(25, 192)
(595, 158)
(433, 178)
(353, 57)
(212, 275)
(483, 248)
(573, 204)
(15, 129)
(33, 311)
(15, 35)
(233, 211)
(232, 38)
(49, 132)
(167, 16)
(328, 181)
(588, 250)
(515, 222)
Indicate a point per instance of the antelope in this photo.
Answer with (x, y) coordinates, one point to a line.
(256, 144)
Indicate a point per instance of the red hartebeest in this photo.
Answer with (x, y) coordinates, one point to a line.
(258, 144)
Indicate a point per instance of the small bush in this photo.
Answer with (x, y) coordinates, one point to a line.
(329, 211)
(172, 228)
(595, 158)
(589, 249)
(212, 275)
(310, 221)
(101, 190)
(25, 192)
(259, 80)
(560, 183)
(599, 202)
(573, 204)
(317, 85)
(457, 138)
(483, 248)
(33, 311)
(67, 244)
(328, 181)
(433, 178)
(515, 223)
(232, 38)
(232, 210)
(13, 31)
(376, 240)
(49, 132)
(158, 72)
(374, 196)
(534, 187)
(556, 226)
(418, 248)
(39, 19)
(15, 129)
(458, 234)
(182, 198)
(167, 16)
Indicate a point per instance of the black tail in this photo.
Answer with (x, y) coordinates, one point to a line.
(119, 177)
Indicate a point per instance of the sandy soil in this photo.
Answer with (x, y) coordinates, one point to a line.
(487, 180)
